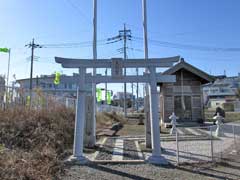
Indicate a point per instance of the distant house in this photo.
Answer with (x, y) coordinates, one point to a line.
(67, 86)
(184, 97)
(118, 99)
(223, 90)
(120, 95)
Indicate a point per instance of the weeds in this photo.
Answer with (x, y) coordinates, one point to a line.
(34, 143)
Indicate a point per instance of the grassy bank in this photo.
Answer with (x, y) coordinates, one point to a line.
(34, 143)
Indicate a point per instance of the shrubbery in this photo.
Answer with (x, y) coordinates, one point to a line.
(34, 142)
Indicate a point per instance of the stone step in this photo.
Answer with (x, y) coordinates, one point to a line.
(118, 150)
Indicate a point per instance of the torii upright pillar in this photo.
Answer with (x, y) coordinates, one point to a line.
(79, 120)
(156, 157)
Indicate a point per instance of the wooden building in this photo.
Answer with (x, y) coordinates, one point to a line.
(184, 97)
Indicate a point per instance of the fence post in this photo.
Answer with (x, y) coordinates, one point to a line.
(234, 138)
(177, 149)
(211, 139)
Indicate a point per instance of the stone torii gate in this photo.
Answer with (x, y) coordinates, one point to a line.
(117, 65)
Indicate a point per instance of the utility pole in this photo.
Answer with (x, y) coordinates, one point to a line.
(137, 107)
(148, 125)
(124, 35)
(125, 57)
(9, 57)
(32, 45)
(93, 137)
(132, 97)
(8, 88)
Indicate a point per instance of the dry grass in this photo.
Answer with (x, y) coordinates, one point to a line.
(105, 120)
(132, 130)
(33, 143)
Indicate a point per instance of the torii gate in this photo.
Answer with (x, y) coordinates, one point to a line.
(117, 65)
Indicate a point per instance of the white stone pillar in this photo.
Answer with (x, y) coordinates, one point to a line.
(89, 139)
(156, 157)
(79, 119)
(147, 121)
(219, 121)
(173, 118)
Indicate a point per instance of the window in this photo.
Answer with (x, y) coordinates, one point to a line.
(43, 85)
(74, 86)
(214, 90)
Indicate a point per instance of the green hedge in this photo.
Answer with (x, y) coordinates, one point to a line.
(230, 116)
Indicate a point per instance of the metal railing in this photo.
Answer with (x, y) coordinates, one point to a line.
(200, 144)
(12, 97)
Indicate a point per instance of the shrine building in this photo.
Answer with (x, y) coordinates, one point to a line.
(185, 96)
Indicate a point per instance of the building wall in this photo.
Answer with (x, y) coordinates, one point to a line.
(214, 103)
(224, 88)
(67, 87)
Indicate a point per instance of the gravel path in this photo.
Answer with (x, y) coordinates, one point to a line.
(191, 152)
(130, 150)
(107, 150)
(195, 151)
(204, 132)
(227, 170)
(148, 172)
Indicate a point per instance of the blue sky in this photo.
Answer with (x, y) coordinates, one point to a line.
(212, 23)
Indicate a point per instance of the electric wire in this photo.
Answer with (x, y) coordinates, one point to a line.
(187, 46)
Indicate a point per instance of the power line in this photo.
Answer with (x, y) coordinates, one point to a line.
(165, 34)
(188, 46)
(123, 35)
(74, 44)
(78, 10)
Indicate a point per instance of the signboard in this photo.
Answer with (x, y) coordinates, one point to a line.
(117, 68)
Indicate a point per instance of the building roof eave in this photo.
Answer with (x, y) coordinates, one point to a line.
(183, 65)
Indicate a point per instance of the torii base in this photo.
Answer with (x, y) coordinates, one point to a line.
(158, 160)
(76, 160)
